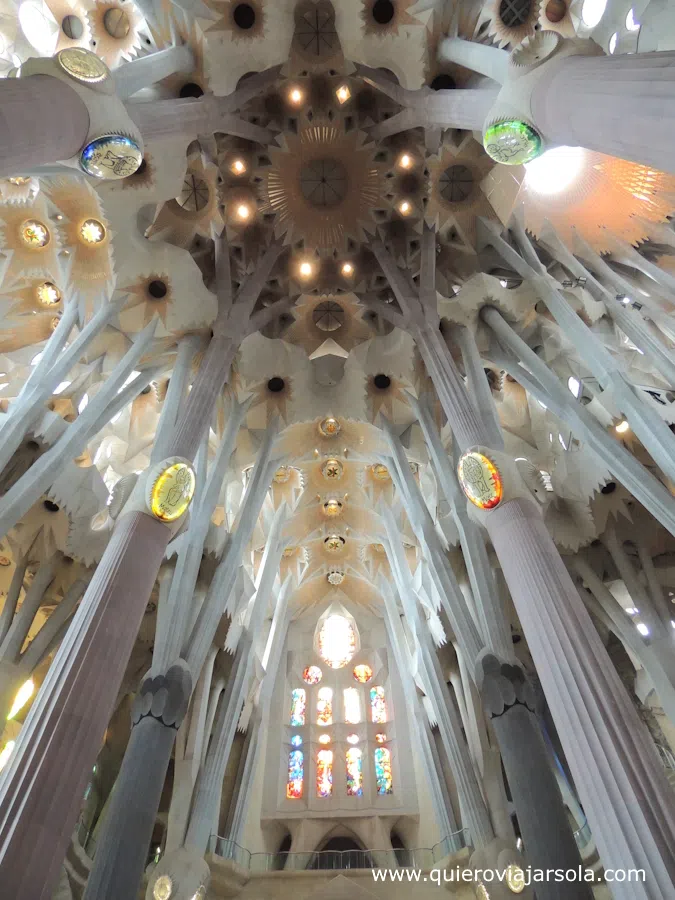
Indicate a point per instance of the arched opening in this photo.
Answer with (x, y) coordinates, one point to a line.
(401, 853)
(281, 856)
(341, 852)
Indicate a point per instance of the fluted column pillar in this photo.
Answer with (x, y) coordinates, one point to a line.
(615, 766)
(620, 105)
(42, 786)
(42, 121)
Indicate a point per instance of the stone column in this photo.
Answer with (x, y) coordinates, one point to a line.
(509, 702)
(620, 105)
(121, 852)
(148, 70)
(42, 786)
(42, 121)
(620, 778)
(489, 61)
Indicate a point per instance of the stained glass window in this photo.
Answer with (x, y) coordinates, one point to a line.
(363, 674)
(354, 772)
(380, 737)
(353, 738)
(296, 741)
(352, 706)
(296, 774)
(312, 675)
(324, 739)
(298, 706)
(383, 771)
(324, 773)
(337, 641)
(324, 707)
(378, 706)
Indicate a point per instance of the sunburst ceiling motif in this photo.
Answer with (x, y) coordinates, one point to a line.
(322, 185)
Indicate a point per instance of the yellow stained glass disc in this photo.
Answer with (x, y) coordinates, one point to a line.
(480, 480)
(173, 492)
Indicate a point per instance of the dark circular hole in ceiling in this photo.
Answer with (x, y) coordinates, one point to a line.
(157, 289)
(608, 488)
(514, 12)
(190, 90)
(443, 82)
(146, 390)
(556, 10)
(51, 506)
(456, 184)
(116, 23)
(72, 27)
(323, 182)
(244, 16)
(382, 382)
(32, 445)
(383, 11)
(276, 384)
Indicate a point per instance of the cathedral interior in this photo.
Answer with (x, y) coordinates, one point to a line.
(337, 449)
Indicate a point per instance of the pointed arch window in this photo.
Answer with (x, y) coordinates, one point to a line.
(383, 776)
(354, 772)
(296, 774)
(298, 707)
(324, 773)
(337, 641)
(324, 707)
(352, 700)
(378, 705)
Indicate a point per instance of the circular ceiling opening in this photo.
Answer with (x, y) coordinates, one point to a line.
(244, 16)
(514, 12)
(157, 289)
(383, 11)
(116, 23)
(195, 193)
(443, 82)
(382, 382)
(608, 488)
(51, 506)
(323, 182)
(276, 384)
(456, 184)
(190, 90)
(556, 10)
(329, 316)
(72, 27)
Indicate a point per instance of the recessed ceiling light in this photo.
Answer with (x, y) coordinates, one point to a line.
(238, 167)
(343, 93)
(405, 161)
(296, 96)
(404, 208)
(347, 268)
(243, 212)
(306, 269)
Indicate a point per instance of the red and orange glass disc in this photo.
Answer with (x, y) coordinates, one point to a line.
(480, 480)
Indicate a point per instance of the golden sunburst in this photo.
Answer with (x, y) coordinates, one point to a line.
(322, 185)
(153, 294)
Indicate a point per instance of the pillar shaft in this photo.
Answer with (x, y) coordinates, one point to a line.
(148, 70)
(490, 61)
(42, 121)
(546, 830)
(615, 766)
(620, 105)
(42, 786)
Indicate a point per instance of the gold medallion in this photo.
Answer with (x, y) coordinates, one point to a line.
(82, 65)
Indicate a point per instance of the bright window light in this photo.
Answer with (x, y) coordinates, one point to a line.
(129, 379)
(543, 405)
(574, 385)
(61, 387)
(642, 628)
(554, 170)
(82, 405)
(631, 24)
(632, 610)
(39, 25)
(613, 41)
(36, 359)
(25, 693)
(592, 11)
(5, 754)
(562, 441)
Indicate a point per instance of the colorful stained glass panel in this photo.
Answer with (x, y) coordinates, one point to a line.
(363, 674)
(296, 741)
(296, 774)
(380, 737)
(312, 675)
(354, 772)
(383, 777)
(324, 773)
(324, 707)
(298, 707)
(378, 705)
(352, 706)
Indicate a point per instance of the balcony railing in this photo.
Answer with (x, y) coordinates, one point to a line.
(321, 860)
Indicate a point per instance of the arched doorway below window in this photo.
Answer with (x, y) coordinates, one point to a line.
(341, 852)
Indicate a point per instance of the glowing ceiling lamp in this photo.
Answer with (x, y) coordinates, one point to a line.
(343, 93)
(622, 427)
(592, 11)
(555, 170)
(48, 294)
(25, 693)
(296, 96)
(92, 231)
(306, 269)
(238, 167)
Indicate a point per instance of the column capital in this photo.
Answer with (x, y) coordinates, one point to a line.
(502, 685)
